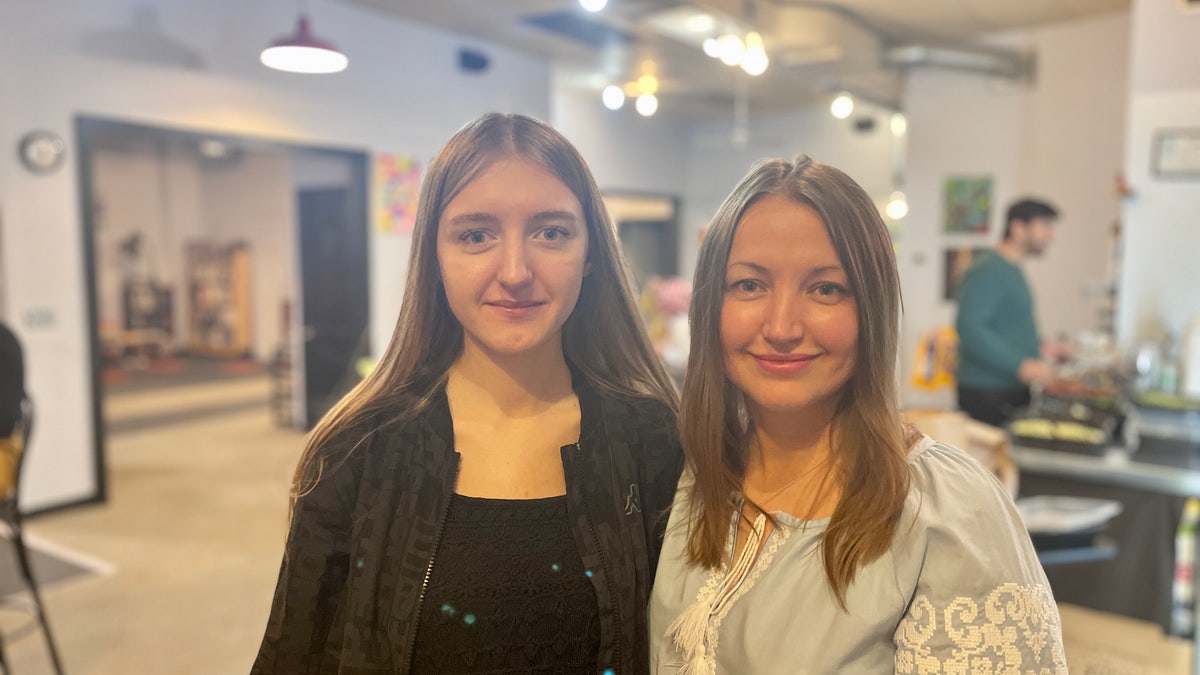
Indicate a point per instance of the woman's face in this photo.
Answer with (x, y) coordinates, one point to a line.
(789, 324)
(512, 250)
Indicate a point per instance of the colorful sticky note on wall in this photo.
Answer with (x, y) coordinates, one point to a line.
(397, 184)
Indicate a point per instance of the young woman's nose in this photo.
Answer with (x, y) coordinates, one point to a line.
(514, 266)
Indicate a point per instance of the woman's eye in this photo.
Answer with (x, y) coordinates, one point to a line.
(472, 237)
(830, 290)
(745, 286)
(554, 233)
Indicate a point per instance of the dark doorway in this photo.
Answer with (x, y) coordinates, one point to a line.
(333, 254)
(651, 247)
(648, 227)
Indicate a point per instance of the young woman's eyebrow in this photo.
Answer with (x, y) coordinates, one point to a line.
(479, 218)
(552, 215)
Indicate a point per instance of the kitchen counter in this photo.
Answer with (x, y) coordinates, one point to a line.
(1114, 467)
(1151, 484)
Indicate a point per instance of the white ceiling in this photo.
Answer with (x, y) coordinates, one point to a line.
(815, 47)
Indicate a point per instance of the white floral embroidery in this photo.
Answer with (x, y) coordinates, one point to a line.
(1014, 630)
(774, 542)
(695, 632)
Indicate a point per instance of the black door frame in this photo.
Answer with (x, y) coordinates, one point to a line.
(85, 127)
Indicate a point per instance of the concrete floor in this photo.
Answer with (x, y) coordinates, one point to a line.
(194, 527)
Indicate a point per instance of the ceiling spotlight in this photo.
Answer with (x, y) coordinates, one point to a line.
(593, 5)
(712, 47)
(755, 60)
(647, 84)
(213, 149)
(646, 104)
(899, 124)
(897, 206)
(842, 106)
(613, 97)
(303, 52)
(732, 49)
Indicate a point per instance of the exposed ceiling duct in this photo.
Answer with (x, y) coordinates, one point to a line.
(1007, 64)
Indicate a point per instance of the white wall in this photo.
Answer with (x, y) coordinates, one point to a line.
(403, 92)
(1072, 149)
(1059, 137)
(1160, 285)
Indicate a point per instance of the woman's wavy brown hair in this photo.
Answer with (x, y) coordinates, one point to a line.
(870, 441)
(604, 339)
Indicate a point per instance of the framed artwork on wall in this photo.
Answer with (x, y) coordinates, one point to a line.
(967, 204)
(1176, 154)
(957, 262)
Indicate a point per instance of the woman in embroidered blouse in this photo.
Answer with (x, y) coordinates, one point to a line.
(487, 499)
(813, 531)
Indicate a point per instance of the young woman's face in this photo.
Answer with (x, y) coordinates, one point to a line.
(512, 250)
(789, 326)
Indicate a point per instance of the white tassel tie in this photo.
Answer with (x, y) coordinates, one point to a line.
(689, 631)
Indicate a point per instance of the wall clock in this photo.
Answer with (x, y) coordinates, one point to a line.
(42, 151)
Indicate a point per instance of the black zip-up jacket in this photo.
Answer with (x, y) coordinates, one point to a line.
(363, 541)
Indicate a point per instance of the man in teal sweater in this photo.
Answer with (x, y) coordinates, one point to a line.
(998, 346)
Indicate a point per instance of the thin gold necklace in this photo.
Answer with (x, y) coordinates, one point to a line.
(791, 482)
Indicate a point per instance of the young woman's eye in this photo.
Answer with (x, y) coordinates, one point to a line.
(555, 233)
(472, 237)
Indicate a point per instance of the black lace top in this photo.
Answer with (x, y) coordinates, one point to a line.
(508, 593)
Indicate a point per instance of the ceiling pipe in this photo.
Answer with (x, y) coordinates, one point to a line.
(931, 51)
(998, 63)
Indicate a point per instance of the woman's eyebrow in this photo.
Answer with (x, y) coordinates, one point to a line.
(553, 214)
(827, 268)
(477, 218)
(752, 265)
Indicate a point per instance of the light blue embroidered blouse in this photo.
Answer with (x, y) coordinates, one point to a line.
(960, 591)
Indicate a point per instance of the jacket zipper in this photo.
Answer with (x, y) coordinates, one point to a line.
(607, 572)
(437, 540)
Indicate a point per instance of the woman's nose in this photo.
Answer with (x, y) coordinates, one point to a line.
(783, 324)
(514, 268)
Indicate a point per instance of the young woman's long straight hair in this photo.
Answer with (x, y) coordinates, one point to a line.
(870, 441)
(604, 340)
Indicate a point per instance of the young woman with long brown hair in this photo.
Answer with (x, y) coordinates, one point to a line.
(488, 499)
(814, 532)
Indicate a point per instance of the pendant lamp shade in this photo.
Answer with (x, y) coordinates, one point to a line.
(303, 52)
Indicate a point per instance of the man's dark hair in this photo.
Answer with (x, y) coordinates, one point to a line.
(1026, 210)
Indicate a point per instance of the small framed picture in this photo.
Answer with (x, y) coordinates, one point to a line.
(1176, 154)
(957, 262)
(967, 204)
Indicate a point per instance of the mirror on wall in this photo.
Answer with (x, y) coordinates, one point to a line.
(223, 273)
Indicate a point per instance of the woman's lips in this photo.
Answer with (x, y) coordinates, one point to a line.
(516, 309)
(784, 364)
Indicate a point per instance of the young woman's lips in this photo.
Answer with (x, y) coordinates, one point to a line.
(516, 309)
(784, 364)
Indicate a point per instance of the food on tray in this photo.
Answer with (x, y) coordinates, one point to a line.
(1057, 430)
(1158, 399)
